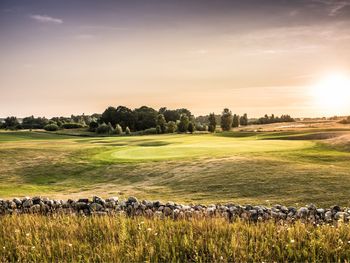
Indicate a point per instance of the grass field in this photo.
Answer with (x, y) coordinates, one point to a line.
(29, 238)
(291, 167)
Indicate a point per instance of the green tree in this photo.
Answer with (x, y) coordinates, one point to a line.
(145, 118)
(191, 127)
(171, 127)
(212, 122)
(11, 123)
(244, 120)
(109, 116)
(226, 120)
(235, 121)
(183, 123)
(161, 123)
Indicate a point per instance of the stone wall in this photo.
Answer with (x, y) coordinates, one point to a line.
(133, 207)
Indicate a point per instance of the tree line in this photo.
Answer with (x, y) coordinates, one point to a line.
(142, 120)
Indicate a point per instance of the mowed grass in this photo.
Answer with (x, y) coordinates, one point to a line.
(34, 238)
(257, 168)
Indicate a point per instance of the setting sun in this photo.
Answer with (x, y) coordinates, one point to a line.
(332, 93)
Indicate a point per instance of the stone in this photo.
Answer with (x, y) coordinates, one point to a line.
(83, 200)
(302, 212)
(27, 203)
(96, 207)
(132, 200)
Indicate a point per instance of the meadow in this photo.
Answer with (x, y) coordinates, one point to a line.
(30, 238)
(293, 167)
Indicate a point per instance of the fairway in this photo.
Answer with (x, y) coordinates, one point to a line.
(238, 167)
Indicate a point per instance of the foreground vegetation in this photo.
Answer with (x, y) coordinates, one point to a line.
(119, 239)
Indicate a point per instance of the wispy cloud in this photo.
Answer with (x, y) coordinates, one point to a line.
(46, 19)
(334, 7)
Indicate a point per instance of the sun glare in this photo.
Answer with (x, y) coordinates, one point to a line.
(332, 94)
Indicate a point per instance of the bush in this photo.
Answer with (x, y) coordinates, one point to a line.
(171, 127)
(71, 125)
(51, 127)
(127, 131)
(118, 129)
(103, 129)
(201, 127)
(93, 125)
(150, 131)
(191, 127)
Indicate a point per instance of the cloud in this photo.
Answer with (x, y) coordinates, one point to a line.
(334, 7)
(46, 19)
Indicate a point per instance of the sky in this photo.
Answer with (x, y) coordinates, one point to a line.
(62, 57)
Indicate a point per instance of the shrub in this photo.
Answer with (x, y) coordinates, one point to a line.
(71, 125)
(183, 124)
(118, 129)
(51, 127)
(191, 127)
(93, 125)
(201, 127)
(171, 127)
(212, 123)
(103, 129)
(127, 131)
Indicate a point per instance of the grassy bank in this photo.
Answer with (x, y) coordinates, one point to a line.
(119, 239)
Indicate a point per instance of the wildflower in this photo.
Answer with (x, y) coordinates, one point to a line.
(222, 258)
(292, 241)
(27, 234)
(142, 222)
(70, 244)
(149, 229)
(33, 247)
(4, 247)
(157, 234)
(16, 231)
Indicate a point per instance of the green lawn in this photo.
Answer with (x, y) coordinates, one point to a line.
(263, 168)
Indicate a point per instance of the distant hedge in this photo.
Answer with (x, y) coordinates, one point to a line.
(72, 125)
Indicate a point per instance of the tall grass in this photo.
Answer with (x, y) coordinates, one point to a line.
(119, 239)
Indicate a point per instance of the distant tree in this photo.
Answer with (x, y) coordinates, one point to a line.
(183, 123)
(226, 120)
(118, 129)
(34, 123)
(243, 121)
(158, 129)
(171, 127)
(212, 122)
(145, 118)
(109, 116)
(93, 125)
(127, 131)
(235, 121)
(111, 128)
(191, 127)
(11, 122)
(161, 123)
(125, 117)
